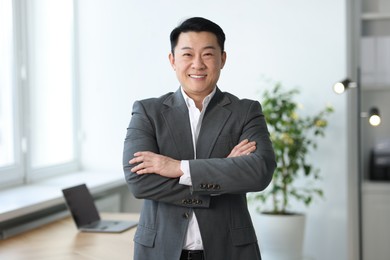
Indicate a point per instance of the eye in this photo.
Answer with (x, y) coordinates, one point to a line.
(208, 54)
(187, 54)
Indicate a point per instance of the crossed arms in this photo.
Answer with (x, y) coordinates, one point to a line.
(153, 174)
(152, 163)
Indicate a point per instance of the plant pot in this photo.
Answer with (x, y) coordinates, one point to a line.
(280, 237)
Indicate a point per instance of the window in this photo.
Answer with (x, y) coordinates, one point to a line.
(37, 90)
(7, 156)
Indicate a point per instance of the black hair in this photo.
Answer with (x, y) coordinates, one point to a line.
(197, 24)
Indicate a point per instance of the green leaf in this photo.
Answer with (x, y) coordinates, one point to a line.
(293, 137)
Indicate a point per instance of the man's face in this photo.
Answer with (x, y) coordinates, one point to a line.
(198, 62)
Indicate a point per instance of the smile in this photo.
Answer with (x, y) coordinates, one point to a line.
(197, 76)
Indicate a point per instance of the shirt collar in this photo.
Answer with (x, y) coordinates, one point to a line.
(190, 102)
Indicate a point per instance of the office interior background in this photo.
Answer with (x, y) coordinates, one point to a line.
(116, 52)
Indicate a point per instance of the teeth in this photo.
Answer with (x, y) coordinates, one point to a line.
(197, 77)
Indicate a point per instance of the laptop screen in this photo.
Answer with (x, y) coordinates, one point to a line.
(81, 205)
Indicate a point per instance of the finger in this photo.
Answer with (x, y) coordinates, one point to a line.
(235, 152)
(139, 153)
(137, 168)
(244, 150)
(143, 154)
(245, 147)
(142, 157)
(133, 161)
(239, 146)
(249, 150)
(248, 146)
(137, 159)
(242, 143)
(146, 170)
(142, 169)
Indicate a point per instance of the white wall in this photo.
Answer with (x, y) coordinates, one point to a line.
(124, 47)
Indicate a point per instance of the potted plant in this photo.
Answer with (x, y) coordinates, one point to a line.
(295, 178)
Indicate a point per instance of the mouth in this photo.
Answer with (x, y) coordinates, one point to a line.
(196, 76)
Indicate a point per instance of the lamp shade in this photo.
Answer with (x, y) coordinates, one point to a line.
(341, 86)
(374, 117)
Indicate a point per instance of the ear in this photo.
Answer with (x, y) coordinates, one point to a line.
(172, 60)
(223, 59)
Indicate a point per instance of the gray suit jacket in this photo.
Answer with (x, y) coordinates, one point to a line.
(220, 184)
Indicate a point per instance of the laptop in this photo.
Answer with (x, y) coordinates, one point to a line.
(85, 214)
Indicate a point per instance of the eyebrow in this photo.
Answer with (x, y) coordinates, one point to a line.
(204, 48)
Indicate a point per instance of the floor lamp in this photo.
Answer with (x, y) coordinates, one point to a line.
(339, 88)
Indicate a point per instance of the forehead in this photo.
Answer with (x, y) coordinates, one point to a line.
(197, 40)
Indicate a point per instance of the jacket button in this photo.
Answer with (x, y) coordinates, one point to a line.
(217, 187)
(186, 215)
(184, 201)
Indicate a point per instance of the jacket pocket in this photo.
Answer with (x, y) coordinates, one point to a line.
(243, 236)
(145, 236)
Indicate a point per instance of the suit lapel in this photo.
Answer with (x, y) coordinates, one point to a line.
(213, 122)
(178, 122)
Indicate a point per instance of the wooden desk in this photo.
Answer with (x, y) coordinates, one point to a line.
(62, 241)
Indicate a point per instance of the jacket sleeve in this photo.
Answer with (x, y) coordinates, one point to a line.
(141, 136)
(241, 174)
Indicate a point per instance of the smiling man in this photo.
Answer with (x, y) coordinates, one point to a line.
(197, 60)
(192, 155)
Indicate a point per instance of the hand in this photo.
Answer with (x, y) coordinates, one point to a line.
(150, 162)
(243, 148)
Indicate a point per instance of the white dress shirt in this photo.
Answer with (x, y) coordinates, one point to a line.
(193, 240)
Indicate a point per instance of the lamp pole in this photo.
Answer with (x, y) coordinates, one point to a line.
(359, 159)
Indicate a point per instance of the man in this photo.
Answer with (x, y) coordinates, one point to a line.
(193, 155)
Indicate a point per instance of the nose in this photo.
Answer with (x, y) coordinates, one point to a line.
(198, 63)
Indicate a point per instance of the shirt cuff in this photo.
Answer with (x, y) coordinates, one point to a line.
(185, 179)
